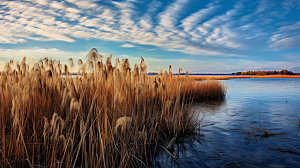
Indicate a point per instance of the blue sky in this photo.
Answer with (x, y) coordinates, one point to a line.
(198, 35)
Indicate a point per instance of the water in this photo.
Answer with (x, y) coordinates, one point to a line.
(222, 142)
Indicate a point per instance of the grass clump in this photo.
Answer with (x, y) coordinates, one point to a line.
(260, 131)
(107, 116)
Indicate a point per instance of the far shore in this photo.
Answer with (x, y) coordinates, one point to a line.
(221, 77)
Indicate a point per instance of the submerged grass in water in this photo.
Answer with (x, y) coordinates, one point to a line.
(259, 131)
(109, 116)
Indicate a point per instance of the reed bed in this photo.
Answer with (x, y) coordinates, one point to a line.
(107, 116)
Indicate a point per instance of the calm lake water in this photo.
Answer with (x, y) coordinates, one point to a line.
(221, 142)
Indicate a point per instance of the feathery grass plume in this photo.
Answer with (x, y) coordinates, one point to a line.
(79, 62)
(51, 64)
(111, 116)
(7, 68)
(124, 123)
(100, 57)
(71, 62)
(36, 69)
(65, 98)
(72, 89)
(11, 62)
(23, 66)
(74, 108)
(46, 62)
(125, 67)
(41, 62)
(109, 66)
(136, 71)
(66, 71)
(59, 68)
(83, 69)
(57, 125)
(24, 60)
(170, 71)
(143, 66)
(92, 55)
(90, 66)
(99, 67)
(18, 68)
(14, 112)
(46, 130)
(179, 71)
(117, 64)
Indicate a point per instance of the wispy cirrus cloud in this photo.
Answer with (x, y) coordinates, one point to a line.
(286, 37)
(193, 20)
(67, 20)
(169, 17)
(206, 29)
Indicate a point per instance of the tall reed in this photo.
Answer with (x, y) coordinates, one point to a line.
(108, 116)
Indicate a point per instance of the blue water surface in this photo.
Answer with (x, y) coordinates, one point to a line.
(222, 140)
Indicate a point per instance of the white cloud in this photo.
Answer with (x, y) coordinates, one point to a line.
(84, 4)
(64, 23)
(168, 18)
(200, 33)
(126, 45)
(286, 37)
(57, 5)
(192, 20)
(42, 2)
(73, 10)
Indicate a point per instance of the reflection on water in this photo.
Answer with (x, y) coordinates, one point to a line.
(221, 142)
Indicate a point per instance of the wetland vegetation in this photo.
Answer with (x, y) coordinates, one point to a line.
(107, 116)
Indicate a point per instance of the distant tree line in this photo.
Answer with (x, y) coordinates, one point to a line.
(282, 72)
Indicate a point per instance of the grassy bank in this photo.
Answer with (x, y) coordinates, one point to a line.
(196, 77)
(109, 116)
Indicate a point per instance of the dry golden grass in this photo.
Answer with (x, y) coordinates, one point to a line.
(108, 116)
(195, 77)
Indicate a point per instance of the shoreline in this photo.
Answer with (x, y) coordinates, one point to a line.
(221, 77)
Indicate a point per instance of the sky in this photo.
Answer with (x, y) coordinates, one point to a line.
(200, 36)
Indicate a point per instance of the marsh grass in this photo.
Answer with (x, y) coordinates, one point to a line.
(291, 149)
(259, 131)
(108, 116)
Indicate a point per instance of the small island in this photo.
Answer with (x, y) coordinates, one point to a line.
(282, 72)
(248, 74)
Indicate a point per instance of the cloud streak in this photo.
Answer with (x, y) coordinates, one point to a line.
(286, 37)
(210, 29)
(43, 20)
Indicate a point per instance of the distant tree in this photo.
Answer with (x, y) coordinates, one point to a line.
(282, 72)
(237, 73)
